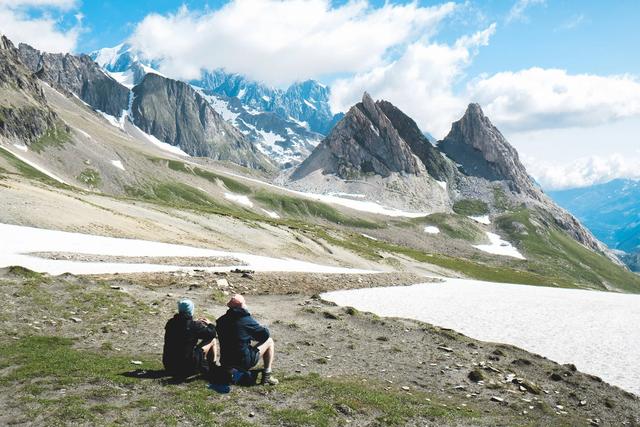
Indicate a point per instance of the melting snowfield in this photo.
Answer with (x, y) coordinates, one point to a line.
(497, 246)
(597, 331)
(18, 241)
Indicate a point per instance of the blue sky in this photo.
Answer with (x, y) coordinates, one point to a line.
(559, 78)
(579, 36)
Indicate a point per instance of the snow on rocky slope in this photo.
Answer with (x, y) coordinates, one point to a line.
(285, 125)
(566, 325)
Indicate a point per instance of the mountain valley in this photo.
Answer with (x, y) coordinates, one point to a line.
(223, 185)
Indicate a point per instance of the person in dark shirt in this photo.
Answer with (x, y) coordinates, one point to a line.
(236, 330)
(189, 346)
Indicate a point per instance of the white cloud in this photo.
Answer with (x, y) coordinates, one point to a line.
(282, 41)
(539, 98)
(517, 11)
(584, 171)
(41, 30)
(420, 82)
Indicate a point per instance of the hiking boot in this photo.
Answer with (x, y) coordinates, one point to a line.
(268, 379)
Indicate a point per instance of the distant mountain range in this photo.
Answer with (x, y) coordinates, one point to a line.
(120, 128)
(284, 124)
(611, 211)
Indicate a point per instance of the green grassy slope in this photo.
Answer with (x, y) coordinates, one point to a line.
(28, 171)
(553, 258)
(551, 252)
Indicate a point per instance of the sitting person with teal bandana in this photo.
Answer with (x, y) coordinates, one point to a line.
(189, 346)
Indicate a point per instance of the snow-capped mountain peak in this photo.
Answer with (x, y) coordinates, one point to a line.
(284, 124)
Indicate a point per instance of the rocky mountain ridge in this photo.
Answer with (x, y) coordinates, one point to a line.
(77, 75)
(25, 116)
(364, 141)
(175, 113)
(481, 150)
(305, 102)
(285, 142)
(284, 124)
(169, 110)
(473, 163)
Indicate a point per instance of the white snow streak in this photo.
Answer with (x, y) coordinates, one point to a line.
(118, 164)
(111, 119)
(239, 198)
(163, 145)
(271, 214)
(358, 205)
(125, 78)
(431, 229)
(498, 246)
(83, 133)
(352, 195)
(361, 205)
(270, 139)
(35, 166)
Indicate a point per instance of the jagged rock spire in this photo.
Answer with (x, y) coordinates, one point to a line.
(365, 141)
(479, 147)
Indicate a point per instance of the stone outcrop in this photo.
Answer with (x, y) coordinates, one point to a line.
(481, 150)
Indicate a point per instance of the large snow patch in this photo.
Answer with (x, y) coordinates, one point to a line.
(18, 241)
(597, 331)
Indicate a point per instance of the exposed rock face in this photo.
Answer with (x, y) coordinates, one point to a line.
(365, 141)
(24, 113)
(479, 147)
(308, 102)
(175, 113)
(78, 75)
(437, 166)
(279, 122)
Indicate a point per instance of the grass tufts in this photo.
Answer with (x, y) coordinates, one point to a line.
(54, 137)
(470, 207)
(90, 177)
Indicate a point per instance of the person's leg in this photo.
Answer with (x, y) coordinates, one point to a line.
(209, 351)
(267, 352)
